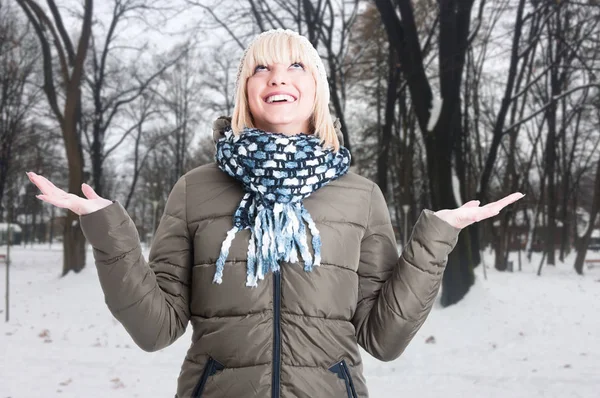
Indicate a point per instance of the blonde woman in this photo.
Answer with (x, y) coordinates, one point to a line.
(282, 260)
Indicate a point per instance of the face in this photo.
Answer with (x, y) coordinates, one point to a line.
(281, 97)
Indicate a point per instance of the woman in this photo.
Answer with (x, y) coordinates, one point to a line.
(283, 261)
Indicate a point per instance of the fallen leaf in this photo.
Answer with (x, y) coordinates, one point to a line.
(117, 383)
(430, 340)
(66, 382)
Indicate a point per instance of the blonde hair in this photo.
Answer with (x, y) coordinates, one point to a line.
(285, 46)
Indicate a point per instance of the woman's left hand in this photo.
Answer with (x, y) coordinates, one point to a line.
(470, 212)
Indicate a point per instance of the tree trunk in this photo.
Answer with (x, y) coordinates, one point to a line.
(386, 136)
(500, 250)
(73, 238)
(555, 58)
(582, 249)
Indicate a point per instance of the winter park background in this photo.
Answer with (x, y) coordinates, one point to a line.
(440, 102)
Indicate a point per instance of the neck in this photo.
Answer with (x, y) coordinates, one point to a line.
(286, 129)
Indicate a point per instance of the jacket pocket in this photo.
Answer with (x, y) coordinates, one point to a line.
(343, 372)
(211, 367)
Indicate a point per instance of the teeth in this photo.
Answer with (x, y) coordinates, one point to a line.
(280, 97)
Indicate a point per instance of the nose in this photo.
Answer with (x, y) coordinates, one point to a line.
(278, 76)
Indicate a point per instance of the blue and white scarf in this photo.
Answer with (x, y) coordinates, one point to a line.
(277, 172)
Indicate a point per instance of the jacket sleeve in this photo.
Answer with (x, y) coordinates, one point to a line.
(150, 299)
(397, 293)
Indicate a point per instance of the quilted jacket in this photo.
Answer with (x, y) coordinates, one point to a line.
(298, 333)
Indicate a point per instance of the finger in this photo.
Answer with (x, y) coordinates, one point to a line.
(89, 192)
(67, 202)
(51, 187)
(502, 203)
(53, 200)
(484, 214)
(41, 185)
(33, 178)
(45, 185)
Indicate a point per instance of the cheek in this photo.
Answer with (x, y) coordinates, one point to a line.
(310, 94)
(253, 95)
(309, 89)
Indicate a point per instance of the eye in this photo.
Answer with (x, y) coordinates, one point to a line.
(298, 64)
(259, 68)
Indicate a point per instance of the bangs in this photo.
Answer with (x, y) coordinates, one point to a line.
(278, 48)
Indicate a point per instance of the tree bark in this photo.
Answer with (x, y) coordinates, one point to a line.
(68, 118)
(383, 165)
(582, 249)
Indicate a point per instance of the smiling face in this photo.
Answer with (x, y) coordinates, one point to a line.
(281, 65)
(278, 86)
(281, 97)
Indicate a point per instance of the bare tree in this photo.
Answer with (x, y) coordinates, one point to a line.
(112, 85)
(144, 111)
(18, 94)
(71, 63)
(180, 97)
(217, 69)
(440, 130)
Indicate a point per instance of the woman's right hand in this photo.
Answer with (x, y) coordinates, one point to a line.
(62, 199)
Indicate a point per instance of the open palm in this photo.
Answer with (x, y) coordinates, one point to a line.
(65, 200)
(471, 212)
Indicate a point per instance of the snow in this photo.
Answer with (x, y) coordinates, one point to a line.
(434, 115)
(14, 227)
(514, 335)
(456, 188)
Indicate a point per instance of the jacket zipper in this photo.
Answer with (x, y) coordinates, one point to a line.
(348, 377)
(276, 333)
(210, 369)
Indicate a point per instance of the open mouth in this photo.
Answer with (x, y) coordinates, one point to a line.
(279, 98)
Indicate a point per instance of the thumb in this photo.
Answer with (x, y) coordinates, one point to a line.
(89, 192)
(472, 203)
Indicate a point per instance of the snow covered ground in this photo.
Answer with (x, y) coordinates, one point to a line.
(515, 335)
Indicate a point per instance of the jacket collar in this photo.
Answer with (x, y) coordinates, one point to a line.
(223, 122)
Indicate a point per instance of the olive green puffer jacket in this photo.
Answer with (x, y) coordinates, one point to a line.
(298, 333)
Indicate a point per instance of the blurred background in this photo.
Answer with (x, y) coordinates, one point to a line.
(440, 102)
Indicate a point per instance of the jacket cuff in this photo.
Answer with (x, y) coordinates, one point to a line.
(442, 226)
(437, 235)
(105, 226)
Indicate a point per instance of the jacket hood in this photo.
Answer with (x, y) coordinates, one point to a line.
(223, 122)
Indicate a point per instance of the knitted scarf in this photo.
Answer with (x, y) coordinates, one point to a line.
(277, 173)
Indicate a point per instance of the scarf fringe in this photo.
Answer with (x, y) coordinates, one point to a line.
(218, 278)
(279, 234)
